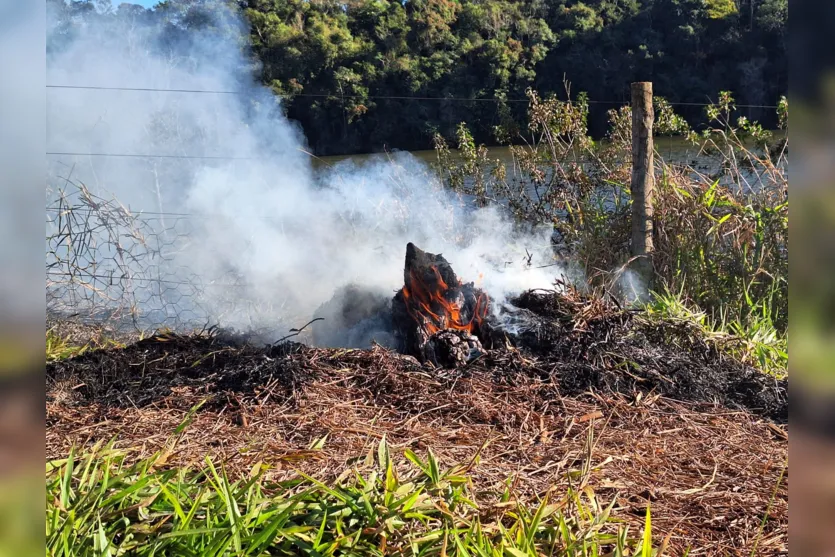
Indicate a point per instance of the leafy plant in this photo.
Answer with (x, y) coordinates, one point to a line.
(98, 502)
(756, 342)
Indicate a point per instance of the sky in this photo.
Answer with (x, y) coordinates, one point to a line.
(146, 3)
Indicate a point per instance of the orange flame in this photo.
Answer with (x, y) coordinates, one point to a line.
(431, 307)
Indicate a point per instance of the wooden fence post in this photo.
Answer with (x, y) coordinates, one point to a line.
(643, 180)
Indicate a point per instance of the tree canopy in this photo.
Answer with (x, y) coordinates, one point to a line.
(346, 68)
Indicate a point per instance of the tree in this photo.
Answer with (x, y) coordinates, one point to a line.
(344, 68)
(720, 9)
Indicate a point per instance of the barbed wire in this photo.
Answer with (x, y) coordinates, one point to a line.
(376, 97)
(157, 214)
(148, 156)
(113, 279)
(221, 157)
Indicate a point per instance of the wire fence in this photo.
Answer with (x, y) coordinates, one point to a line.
(109, 262)
(105, 263)
(378, 97)
(223, 157)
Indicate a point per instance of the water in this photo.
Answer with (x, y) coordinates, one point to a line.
(673, 150)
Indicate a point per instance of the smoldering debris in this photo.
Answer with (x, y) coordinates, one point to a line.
(580, 344)
(434, 300)
(594, 344)
(355, 317)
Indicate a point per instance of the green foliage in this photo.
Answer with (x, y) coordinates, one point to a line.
(756, 342)
(58, 348)
(783, 113)
(772, 15)
(98, 502)
(720, 9)
(721, 239)
(355, 53)
(61, 348)
(667, 122)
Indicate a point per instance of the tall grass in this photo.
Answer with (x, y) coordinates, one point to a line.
(99, 503)
(720, 235)
(61, 348)
(757, 343)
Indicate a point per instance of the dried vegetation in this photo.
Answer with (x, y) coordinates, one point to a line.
(659, 406)
(714, 476)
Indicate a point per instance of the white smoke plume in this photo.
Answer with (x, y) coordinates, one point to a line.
(260, 211)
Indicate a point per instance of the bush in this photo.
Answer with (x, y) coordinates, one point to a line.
(721, 235)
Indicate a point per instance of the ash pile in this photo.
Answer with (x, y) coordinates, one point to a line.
(582, 342)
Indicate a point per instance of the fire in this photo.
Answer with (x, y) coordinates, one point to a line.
(432, 306)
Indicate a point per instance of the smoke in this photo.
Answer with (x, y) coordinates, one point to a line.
(632, 288)
(288, 235)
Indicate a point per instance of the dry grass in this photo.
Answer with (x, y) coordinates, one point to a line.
(716, 479)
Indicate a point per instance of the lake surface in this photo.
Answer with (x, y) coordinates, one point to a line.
(673, 150)
(676, 150)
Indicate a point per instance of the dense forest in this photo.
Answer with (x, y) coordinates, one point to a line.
(345, 69)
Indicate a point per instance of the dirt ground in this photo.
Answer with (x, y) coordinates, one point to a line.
(716, 477)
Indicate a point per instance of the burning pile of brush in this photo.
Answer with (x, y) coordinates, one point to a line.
(438, 318)
(581, 342)
(435, 317)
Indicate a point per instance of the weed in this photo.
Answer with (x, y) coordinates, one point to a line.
(757, 342)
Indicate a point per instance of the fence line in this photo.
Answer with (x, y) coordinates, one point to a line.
(224, 92)
(223, 157)
(150, 156)
(105, 260)
(380, 97)
(129, 277)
